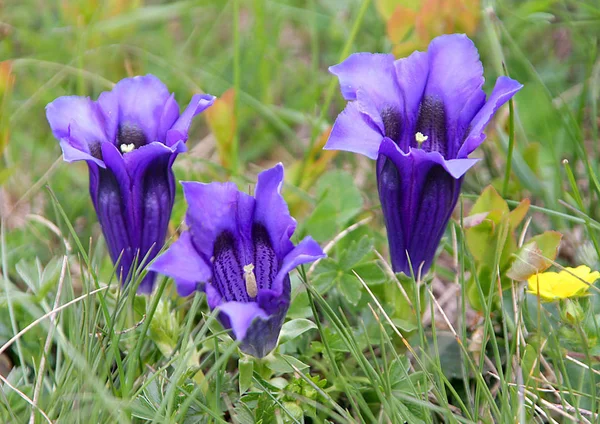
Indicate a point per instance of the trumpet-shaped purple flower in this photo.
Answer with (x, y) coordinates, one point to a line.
(419, 117)
(129, 138)
(238, 250)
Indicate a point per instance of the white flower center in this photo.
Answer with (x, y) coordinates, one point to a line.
(250, 279)
(420, 138)
(126, 148)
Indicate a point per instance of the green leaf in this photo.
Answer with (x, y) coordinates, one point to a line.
(246, 367)
(518, 214)
(355, 253)
(293, 413)
(283, 363)
(490, 201)
(295, 328)
(479, 239)
(242, 414)
(371, 273)
(535, 256)
(351, 288)
(325, 281)
(405, 325)
(398, 371)
(339, 201)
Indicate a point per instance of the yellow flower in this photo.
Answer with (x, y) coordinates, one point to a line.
(571, 282)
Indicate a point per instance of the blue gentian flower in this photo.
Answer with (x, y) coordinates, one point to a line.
(419, 117)
(238, 250)
(129, 138)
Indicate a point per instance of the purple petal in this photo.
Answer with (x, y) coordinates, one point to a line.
(257, 330)
(272, 301)
(418, 192)
(179, 131)
(213, 297)
(272, 211)
(455, 167)
(217, 207)
(239, 315)
(182, 262)
(455, 73)
(353, 132)
(139, 159)
(306, 251)
(141, 198)
(504, 89)
(152, 196)
(116, 165)
(453, 92)
(411, 73)
(142, 102)
(106, 195)
(169, 117)
(72, 154)
(373, 73)
(79, 125)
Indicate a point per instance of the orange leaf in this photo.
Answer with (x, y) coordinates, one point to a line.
(400, 24)
(438, 17)
(7, 79)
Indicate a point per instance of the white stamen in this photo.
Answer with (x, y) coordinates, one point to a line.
(421, 138)
(250, 279)
(126, 148)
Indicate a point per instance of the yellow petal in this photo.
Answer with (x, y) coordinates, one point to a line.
(570, 282)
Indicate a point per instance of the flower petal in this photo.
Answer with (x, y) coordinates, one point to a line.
(373, 73)
(239, 316)
(306, 251)
(152, 197)
(217, 207)
(257, 331)
(504, 89)
(418, 192)
(79, 125)
(354, 132)
(142, 102)
(452, 94)
(411, 74)
(107, 198)
(72, 154)
(455, 73)
(272, 211)
(169, 117)
(182, 262)
(179, 130)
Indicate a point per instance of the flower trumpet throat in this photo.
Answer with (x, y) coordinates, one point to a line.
(419, 117)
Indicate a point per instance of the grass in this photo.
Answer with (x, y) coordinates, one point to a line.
(463, 345)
